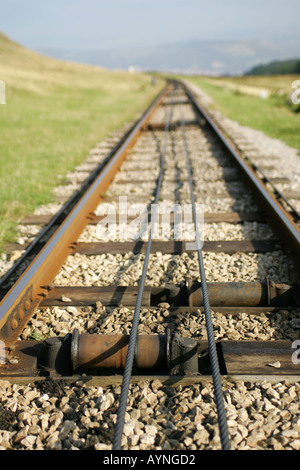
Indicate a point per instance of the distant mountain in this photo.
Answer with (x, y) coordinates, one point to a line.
(283, 67)
(197, 57)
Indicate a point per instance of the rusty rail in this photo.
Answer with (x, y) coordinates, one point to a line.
(23, 298)
(279, 219)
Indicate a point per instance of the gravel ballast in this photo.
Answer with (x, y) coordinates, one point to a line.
(260, 416)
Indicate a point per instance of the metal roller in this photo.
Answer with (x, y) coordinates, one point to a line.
(92, 352)
(247, 294)
(110, 351)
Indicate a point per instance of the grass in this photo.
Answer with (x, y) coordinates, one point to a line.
(274, 83)
(54, 113)
(275, 116)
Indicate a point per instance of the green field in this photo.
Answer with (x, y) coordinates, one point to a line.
(239, 99)
(54, 113)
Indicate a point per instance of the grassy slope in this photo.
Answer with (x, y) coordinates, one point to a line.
(272, 116)
(54, 113)
(273, 83)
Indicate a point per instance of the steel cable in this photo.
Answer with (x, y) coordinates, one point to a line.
(135, 323)
(218, 393)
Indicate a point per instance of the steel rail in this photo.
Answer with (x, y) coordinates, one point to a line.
(135, 322)
(24, 296)
(280, 220)
(215, 368)
(59, 216)
(256, 168)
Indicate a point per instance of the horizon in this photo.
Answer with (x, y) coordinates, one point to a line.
(124, 33)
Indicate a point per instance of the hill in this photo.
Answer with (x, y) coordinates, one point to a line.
(198, 57)
(27, 69)
(285, 67)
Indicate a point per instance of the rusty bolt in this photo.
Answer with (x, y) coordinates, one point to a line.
(21, 313)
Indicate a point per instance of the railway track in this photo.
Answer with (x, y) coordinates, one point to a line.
(147, 273)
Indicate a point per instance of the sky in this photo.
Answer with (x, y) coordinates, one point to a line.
(86, 25)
